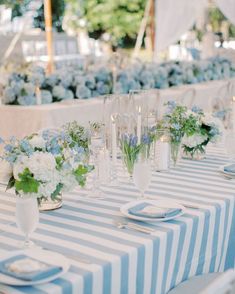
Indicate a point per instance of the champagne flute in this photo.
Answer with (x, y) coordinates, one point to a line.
(142, 173)
(27, 218)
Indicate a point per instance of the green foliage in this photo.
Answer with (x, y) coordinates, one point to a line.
(27, 183)
(58, 8)
(57, 192)
(19, 7)
(120, 18)
(81, 172)
(216, 18)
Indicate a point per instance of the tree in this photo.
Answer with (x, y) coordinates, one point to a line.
(120, 18)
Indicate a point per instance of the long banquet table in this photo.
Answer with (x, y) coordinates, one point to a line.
(125, 261)
(21, 121)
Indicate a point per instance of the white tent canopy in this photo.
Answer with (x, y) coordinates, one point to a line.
(175, 17)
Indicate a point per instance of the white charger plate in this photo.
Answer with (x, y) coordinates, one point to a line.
(221, 169)
(160, 203)
(46, 256)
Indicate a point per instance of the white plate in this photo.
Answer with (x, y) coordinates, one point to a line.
(161, 203)
(49, 257)
(221, 169)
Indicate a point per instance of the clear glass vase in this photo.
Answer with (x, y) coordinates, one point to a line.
(47, 204)
(196, 155)
(175, 151)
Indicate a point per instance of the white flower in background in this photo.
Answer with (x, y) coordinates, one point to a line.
(37, 142)
(5, 171)
(194, 140)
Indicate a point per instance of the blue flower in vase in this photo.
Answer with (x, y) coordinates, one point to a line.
(146, 140)
(133, 140)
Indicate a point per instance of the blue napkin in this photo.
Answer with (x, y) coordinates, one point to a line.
(157, 212)
(47, 271)
(230, 168)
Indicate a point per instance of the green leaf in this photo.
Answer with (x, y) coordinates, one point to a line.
(27, 183)
(57, 191)
(11, 183)
(80, 173)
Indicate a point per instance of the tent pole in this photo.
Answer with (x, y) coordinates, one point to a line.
(48, 29)
(142, 29)
(152, 26)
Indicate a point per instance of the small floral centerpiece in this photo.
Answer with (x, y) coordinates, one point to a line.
(199, 130)
(131, 149)
(46, 165)
(174, 121)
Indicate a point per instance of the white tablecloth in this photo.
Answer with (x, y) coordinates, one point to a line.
(25, 120)
(126, 261)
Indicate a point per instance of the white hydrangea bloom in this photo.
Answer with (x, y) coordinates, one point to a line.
(37, 142)
(194, 140)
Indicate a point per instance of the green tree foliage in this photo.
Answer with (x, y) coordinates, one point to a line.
(216, 18)
(119, 18)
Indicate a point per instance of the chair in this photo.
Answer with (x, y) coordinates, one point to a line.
(188, 97)
(215, 283)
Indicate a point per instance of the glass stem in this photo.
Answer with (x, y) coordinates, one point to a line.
(27, 240)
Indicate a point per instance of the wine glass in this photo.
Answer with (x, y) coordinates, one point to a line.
(27, 218)
(96, 147)
(230, 145)
(142, 173)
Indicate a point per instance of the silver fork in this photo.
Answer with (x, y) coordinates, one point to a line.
(128, 225)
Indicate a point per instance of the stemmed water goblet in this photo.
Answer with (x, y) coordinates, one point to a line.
(142, 172)
(27, 218)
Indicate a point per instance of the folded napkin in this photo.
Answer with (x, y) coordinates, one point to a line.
(148, 210)
(230, 168)
(28, 269)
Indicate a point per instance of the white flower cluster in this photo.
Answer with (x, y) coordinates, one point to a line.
(194, 140)
(43, 167)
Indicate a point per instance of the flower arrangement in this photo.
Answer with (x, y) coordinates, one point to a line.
(200, 129)
(75, 82)
(193, 129)
(131, 149)
(46, 165)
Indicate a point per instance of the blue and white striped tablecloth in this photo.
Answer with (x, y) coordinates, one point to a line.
(125, 261)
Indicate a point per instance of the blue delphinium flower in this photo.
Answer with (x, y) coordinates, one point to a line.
(83, 92)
